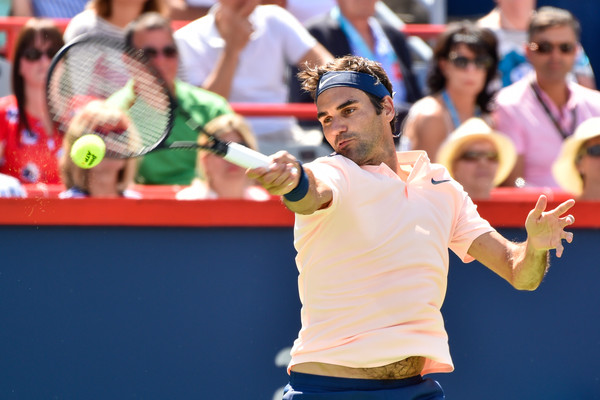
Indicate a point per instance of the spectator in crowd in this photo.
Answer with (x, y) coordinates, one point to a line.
(351, 28)
(242, 51)
(29, 143)
(218, 178)
(110, 17)
(577, 168)
(11, 187)
(152, 33)
(464, 63)
(509, 21)
(541, 110)
(112, 177)
(48, 8)
(477, 157)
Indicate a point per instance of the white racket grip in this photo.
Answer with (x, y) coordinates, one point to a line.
(245, 157)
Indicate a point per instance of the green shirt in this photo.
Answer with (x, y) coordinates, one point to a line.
(178, 167)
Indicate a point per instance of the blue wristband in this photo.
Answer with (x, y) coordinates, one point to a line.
(301, 188)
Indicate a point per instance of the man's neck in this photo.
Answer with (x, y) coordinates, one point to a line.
(558, 91)
(362, 27)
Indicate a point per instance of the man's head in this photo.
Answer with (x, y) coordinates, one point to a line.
(553, 37)
(354, 105)
(152, 33)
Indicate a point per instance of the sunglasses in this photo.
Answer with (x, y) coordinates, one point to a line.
(547, 47)
(167, 52)
(593, 151)
(472, 156)
(33, 54)
(462, 62)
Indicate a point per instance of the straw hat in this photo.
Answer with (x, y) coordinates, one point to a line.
(476, 128)
(564, 169)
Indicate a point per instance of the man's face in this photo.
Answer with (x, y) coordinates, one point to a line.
(552, 53)
(352, 126)
(159, 47)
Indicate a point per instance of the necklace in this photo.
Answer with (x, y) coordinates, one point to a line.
(452, 109)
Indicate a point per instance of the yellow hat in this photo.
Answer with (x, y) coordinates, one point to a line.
(564, 169)
(476, 128)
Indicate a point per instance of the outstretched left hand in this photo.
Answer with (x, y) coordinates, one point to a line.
(545, 229)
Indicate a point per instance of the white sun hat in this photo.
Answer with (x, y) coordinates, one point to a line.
(564, 169)
(474, 129)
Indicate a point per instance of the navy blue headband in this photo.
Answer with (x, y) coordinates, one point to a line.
(358, 80)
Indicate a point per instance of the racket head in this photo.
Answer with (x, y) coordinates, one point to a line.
(94, 68)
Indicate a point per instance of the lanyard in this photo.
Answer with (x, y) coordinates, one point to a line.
(452, 110)
(559, 128)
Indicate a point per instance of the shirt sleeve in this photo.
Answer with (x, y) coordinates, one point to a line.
(469, 225)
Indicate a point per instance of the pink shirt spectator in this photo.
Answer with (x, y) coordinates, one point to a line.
(343, 320)
(521, 116)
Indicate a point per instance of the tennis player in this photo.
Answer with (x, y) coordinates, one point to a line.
(372, 232)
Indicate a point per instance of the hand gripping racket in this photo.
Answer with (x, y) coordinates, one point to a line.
(99, 68)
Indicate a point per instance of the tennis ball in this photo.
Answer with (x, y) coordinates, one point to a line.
(88, 151)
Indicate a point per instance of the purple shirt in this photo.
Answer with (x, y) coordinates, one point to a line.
(521, 116)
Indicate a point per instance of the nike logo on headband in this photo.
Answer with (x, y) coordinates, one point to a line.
(324, 81)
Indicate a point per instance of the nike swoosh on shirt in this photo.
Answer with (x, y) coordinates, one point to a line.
(438, 182)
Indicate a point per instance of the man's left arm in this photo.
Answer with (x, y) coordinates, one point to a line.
(524, 264)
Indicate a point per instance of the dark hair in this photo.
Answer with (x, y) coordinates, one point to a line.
(549, 17)
(310, 77)
(148, 21)
(480, 41)
(33, 28)
(104, 8)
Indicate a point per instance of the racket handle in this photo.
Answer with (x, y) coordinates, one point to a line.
(245, 157)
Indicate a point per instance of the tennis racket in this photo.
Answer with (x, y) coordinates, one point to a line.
(92, 68)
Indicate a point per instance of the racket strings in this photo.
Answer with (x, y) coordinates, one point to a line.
(94, 70)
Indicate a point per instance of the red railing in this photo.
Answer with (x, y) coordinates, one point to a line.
(508, 207)
(12, 25)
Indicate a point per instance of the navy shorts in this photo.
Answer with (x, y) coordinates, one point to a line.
(316, 387)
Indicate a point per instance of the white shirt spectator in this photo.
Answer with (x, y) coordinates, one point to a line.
(278, 41)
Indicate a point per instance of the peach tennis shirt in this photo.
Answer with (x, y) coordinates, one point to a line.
(373, 266)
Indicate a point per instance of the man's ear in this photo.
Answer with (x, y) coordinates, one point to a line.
(388, 108)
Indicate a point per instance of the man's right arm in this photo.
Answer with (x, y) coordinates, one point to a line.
(302, 192)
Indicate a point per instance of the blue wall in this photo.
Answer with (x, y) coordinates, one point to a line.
(157, 313)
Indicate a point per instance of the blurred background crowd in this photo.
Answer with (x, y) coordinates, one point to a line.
(501, 92)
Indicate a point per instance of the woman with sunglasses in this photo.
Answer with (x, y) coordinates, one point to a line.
(29, 144)
(463, 65)
(577, 168)
(110, 17)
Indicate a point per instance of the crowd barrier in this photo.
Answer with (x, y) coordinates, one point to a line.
(12, 25)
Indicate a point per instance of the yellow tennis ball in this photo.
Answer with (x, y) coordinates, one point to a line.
(88, 151)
